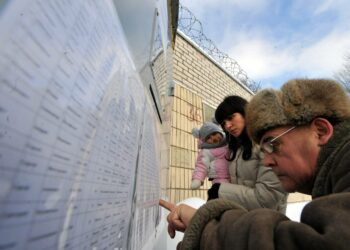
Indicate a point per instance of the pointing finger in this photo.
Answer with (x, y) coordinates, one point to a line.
(167, 205)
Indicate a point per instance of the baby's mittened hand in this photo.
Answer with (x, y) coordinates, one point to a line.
(196, 184)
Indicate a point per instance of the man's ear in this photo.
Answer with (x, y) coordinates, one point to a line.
(323, 128)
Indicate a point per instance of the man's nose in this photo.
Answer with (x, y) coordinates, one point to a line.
(268, 160)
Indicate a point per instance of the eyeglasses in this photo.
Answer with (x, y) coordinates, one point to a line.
(269, 146)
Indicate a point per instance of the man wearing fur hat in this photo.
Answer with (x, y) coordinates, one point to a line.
(303, 129)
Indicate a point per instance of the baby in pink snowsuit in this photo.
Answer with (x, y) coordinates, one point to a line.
(211, 161)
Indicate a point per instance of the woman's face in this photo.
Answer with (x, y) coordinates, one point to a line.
(234, 124)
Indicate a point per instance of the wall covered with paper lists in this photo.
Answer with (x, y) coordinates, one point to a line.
(78, 150)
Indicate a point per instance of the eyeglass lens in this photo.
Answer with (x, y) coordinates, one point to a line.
(269, 147)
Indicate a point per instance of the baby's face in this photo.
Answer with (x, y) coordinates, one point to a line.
(214, 138)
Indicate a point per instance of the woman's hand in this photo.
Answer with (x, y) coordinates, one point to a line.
(179, 216)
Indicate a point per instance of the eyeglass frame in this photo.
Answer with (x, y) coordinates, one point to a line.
(269, 143)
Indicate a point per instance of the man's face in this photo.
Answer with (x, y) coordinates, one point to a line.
(294, 156)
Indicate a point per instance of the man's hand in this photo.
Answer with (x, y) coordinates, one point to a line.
(179, 216)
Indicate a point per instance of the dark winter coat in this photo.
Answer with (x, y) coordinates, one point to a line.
(324, 224)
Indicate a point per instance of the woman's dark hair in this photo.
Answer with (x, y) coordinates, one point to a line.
(230, 105)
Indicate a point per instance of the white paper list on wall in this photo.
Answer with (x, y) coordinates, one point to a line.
(71, 115)
(147, 192)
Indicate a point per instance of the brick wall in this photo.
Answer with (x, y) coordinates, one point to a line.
(186, 114)
(194, 70)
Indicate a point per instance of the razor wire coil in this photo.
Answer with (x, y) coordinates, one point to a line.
(192, 27)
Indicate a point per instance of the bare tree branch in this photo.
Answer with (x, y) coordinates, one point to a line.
(343, 75)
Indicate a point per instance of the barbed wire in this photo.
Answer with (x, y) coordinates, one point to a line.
(192, 27)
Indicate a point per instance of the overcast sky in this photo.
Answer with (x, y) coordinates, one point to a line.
(276, 40)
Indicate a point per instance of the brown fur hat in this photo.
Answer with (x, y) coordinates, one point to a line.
(297, 103)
